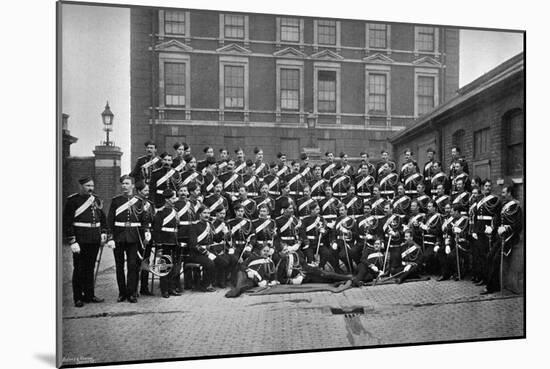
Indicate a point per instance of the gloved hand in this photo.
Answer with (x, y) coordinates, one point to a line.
(104, 237)
(474, 236)
(297, 280)
(369, 236)
(380, 272)
(456, 230)
(424, 227)
(231, 251)
(501, 230)
(407, 267)
(75, 247)
(271, 251)
(262, 283)
(211, 256)
(334, 245)
(274, 283)
(447, 241)
(111, 244)
(375, 268)
(248, 248)
(447, 249)
(488, 229)
(147, 236)
(436, 249)
(250, 274)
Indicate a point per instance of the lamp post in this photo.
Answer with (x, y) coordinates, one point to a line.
(311, 123)
(107, 118)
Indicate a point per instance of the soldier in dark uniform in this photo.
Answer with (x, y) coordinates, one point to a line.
(444, 252)
(240, 162)
(200, 240)
(371, 169)
(285, 197)
(416, 217)
(217, 198)
(208, 176)
(163, 178)
(461, 197)
(509, 233)
(165, 236)
(304, 203)
(146, 164)
(305, 170)
(343, 236)
(457, 234)
(191, 173)
(459, 174)
(272, 181)
(371, 264)
(282, 167)
(427, 171)
(225, 262)
(364, 182)
(144, 252)
(178, 162)
(250, 181)
(241, 232)
(295, 181)
(406, 260)
(486, 223)
(329, 212)
(388, 181)
(353, 203)
(441, 198)
(208, 153)
(422, 197)
(432, 237)
(248, 204)
(264, 229)
(313, 227)
(394, 239)
(328, 169)
(261, 168)
(347, 169)
(85, 228)
(221, 164)
(391, 166)
(288, 255)
(455, 158)
(126, 215)
(231, 183)
(377, 202)
(264, 199)
(317, 184)
(340, 183)
(409, 167)
(186, 217)
(438, 177)
(411, 177)
(401, 204)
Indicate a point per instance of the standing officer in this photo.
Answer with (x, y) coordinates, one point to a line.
(231, 182)
(385, 160)
(186, 216)
(340, 182)
(432, 238)
(455, 158)
(401, 204)
(217, 198)
(327, 169)
(460, 197)
(409, 166)
(265, 199)
(371, 169)
(272, 180)
(305, 170)
(310, 233)
(191, 174)
(250, 180)
(221, 164)
(85, 227)
(388, 181)
(126, 215)
(144, 253)
(264, 230)
(347, 169)
(343, 236)
(261, 169)
(353, 203)
(304, 204)
(163, 178)
(225, 262)
(427, 171)
(363, 182)
(295, 181)
(377, 202)
(181, 151)
(317, 184)
(146, 164)
(283, 169)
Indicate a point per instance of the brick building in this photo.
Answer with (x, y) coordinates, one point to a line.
(487, 121)
(241, 79)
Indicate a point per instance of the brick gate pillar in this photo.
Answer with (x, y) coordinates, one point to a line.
(107, 172)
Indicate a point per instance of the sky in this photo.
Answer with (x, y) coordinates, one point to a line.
(96, 68)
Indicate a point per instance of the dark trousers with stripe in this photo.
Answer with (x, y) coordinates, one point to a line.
(83, 271)
(127, 284)
(480, 251)
(207, 265)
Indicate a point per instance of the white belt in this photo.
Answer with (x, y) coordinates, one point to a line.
(168, 229)
(287, 238)
(295, 192)
(411, 191)
(160, 192)
(484, 217)
(127, 224)
(87, 225)
(186, 222)
(340, 194)
(386, 192)
(329, 216)
(252, 193)
(274, 192)
(363, 193)
(311, 237)
(240, 242)
(317, 197)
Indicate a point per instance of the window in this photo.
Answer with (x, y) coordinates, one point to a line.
(377, 36)
(234, 86)
(425, 39)
(425, 94)
(326, 98)
(458, 139)
(174, 79)
(326, 32)
(377, 92)
(290, 89)
(174, 22)
(234, 26)
(481, 142)
(290, 29)
(515, 129)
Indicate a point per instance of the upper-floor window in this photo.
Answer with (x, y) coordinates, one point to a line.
(378, 35)
(425, 94)
(326, 32)
(174, 81)
(290, 89)
(290, 29)
(174, 22)
(234, 86)
(377, 91)
(425, 39)
(234, 26)
(326, 91)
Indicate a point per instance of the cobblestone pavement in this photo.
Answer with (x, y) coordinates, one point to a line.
(204, 324)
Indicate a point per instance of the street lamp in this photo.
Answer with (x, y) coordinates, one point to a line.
(107, 117)
(311, 123)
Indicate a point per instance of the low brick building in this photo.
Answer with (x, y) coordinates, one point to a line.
(486, 120)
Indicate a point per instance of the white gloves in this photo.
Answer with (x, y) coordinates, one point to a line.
(271, 251)
(447, 249)
(297, 280)
(501, 230)
(474, 236)
(375, 268)
(262, 283)
(111, 244)
(231, 251)
(75, 247)
(392, 233)
(250, 274)
(457, 230)
(488, 229)
(334, 245)
(424, 227)
(103, 237)
(436, 249)
(407, 267)
(248, 248)
(147, 236)
(294, 247)
(369, 236)
(447, 241)
(274, 283)
(211, 256)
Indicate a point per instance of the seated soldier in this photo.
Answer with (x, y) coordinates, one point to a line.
(406, 259)
(371, 265)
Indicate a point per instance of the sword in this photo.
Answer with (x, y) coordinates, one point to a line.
(457, 257)
(97, 262)
(386, 256)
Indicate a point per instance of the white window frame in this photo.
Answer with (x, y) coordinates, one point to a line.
(426, 72)
(436, 41)
(333, 67)
(278, 40)
(187, 34)
(222, 38)
(238, 61)
(316, 43)
(175, 58)
(289, 64)
(388, 38)
(378, 69)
